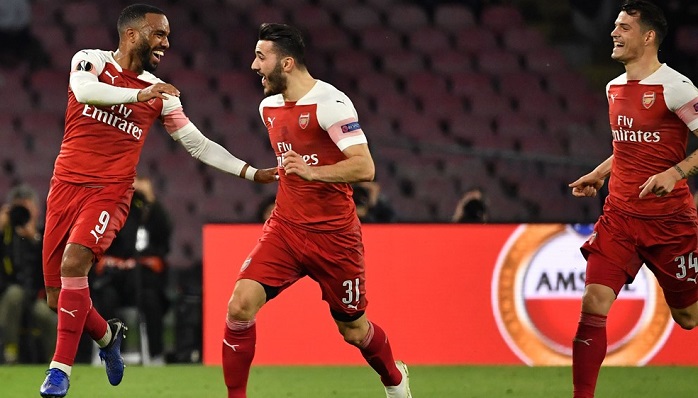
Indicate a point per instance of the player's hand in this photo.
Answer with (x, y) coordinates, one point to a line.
(660, 184)
(265, 176)
(293, 163)
(157, 90)
(587, 185)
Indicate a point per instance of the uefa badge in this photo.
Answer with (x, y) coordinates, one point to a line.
(648, 99)
(537, 288)
(304, 120)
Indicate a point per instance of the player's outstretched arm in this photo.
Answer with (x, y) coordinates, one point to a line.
(214, 155)
(589, 184)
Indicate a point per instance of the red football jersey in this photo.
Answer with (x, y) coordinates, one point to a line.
(318, 127)
(650, 121)
(102, 144)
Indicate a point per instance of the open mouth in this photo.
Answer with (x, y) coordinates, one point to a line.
(158, 54)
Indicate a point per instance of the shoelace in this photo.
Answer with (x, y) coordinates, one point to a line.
(55, 377)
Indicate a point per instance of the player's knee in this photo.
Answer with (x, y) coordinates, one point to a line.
(595, 303)
(353, 336)
(73, 266)
(240, 310)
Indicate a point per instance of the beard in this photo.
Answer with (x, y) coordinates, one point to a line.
(276, 82)
(144, 52)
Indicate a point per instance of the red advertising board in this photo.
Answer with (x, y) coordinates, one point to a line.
(447, 294)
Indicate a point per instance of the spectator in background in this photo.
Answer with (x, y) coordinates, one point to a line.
(17, 42)
(472, 207)
(22, 296)
(371, 205)
(133, 269)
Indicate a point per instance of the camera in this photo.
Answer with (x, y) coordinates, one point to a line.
(19, 216)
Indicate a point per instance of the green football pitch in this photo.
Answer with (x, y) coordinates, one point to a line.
(193, 381)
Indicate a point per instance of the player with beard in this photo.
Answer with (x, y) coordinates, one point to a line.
(113, 100)
(314, 229)
(649, 216)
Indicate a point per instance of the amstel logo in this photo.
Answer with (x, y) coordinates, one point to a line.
(537, 288)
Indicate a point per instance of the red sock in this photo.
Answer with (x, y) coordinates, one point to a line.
(376, 350)
(239, 342)
(95, 325)
(588, 352)
(73, 305)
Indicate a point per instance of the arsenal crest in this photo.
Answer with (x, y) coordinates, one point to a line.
(648, 99)
(304, 120)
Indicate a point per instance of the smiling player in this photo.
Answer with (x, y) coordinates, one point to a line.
(649, 216)
(113, 100)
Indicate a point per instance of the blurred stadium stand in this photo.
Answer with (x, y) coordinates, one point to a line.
(451, 95)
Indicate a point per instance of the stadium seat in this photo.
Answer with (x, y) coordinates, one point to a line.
(423, 129)
(402, 63)
(376, 84)
(466, 128)
(378, 40)
(394, 105)
(424, 82)
(470, 83)
(192, 84)
(407, 18)
(687, 39)
(359, 18)
(429, 40)
(329, 39)
(453, 17)
(519, 84)
(440, 105)
(497, 62)
(523, 39)
(95, 36)
(309, 16)
(545, 60)
(352, 62)
(450, 62)
(337, 5)
(265, 13)
(489, 104)
(500, 18)
(475, 39)
(76, 13)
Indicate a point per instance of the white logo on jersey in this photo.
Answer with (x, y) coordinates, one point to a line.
(304, 120)
(106, 72)
(270, 120)
(613, 98)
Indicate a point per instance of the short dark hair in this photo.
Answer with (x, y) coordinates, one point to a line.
(133, 13)
(651, 16)
(287, 40)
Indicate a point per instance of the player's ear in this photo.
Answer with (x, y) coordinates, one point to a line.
(288, 63)
(131, 35)
(651, 37)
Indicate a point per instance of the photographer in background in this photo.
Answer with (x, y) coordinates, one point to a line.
(371, 205)
(22, 297)
(133, 270)
(472, 207)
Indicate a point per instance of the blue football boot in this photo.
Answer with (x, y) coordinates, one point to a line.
(55, 385)
(111, 354)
